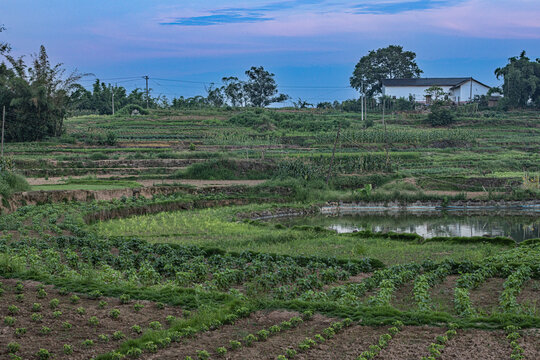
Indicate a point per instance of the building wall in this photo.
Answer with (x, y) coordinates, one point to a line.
(419, 92)
(477, 90)
(461, 94)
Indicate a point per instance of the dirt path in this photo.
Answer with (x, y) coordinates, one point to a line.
(148, 182)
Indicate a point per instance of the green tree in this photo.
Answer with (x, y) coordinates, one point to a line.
(215, 96)
(521, 81)
(36, 96)
(437, 93)
(234, 91)
(261, 88)
(385, 63)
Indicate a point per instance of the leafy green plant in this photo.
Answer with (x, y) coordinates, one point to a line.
(203, 355)
(125, 299)
(102, 304)
(54, 303)
(66, 325)
(155, 325)
(134, 352)
(56, 314)
(81, 310)
(35, 317)
(74, 299)
(103, 338)
(114, 314)
(118, 335)
(12, 309)
(9, 320)
(20, 332)
(43, 354)
(68, 349)
(36, 307)
(221, 351)
(13, 347)
(235, 344)
(249, 339)
(290, 353)
(137, 307)
(88, 343)
(136, 329)
(93, 321)
(41, 294)
(262, 335)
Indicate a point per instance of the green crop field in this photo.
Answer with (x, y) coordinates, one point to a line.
(140, 239)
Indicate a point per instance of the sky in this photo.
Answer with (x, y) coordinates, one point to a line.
(311, 46)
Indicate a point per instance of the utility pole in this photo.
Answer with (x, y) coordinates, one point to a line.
(362, 102)
(146, 78)
(112, 92)
(3, 122)
(470, 96)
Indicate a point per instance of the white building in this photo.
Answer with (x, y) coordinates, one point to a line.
(459, 90)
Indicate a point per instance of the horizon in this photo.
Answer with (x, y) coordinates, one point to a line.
(311, 46)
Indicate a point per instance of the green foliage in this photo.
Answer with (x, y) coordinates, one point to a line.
(93, 320)
(114, 314)
(130, 109)
(440, 116)
(11, 183)
(36, 97)
(13, 347)
(118, 335)
(54, 303)
(68, 349)
(521, 82)
(44, 354)
(203, 355)
(384, 63)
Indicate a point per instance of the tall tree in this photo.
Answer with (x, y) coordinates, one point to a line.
(386, 63)
(261, 88)
(214, 96)
(521, 81)
(234, 91)
(37, 96)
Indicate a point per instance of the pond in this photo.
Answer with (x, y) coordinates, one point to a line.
(517, 225)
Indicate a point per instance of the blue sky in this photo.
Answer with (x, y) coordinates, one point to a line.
(311, 45)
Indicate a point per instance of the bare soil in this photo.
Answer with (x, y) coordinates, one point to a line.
(211, 340)
(277, 345)
(442, 294)
(530, 342)
(150, 182)
(411, 343)
(404, 297)
(478, 344)
(81, 330)
(348, 344)
(530, 295)
(486, 297)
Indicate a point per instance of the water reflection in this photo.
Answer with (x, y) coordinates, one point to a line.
(518, 227)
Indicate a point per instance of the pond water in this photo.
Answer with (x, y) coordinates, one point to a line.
(519, 226)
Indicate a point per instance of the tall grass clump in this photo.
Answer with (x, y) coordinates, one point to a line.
(11, 183)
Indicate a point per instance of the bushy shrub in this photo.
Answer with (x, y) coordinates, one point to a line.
(11, 183)
(440, 116)
(128, 110)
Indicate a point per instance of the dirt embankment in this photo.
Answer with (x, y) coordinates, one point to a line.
(54, 196)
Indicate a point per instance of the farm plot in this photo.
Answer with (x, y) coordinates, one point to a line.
(40, 320)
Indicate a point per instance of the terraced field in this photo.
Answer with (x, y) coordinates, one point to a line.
(145, 244)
